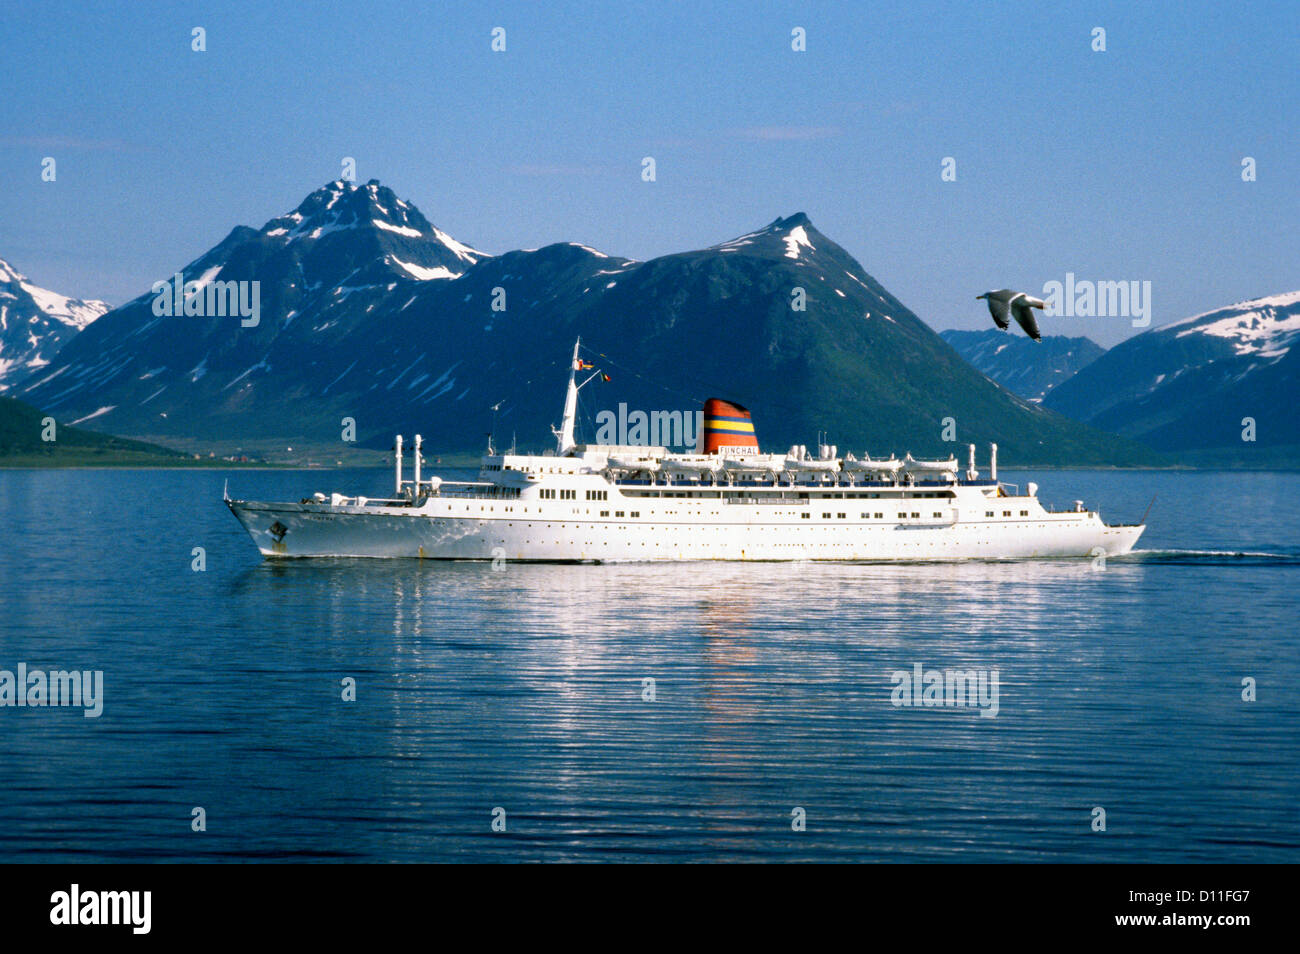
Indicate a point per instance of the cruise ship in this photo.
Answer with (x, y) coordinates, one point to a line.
(595, 503)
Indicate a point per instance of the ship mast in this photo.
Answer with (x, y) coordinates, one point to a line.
(564, 436)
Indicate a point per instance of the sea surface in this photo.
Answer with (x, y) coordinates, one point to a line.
(520, 695)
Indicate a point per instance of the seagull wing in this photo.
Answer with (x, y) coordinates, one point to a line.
(998, 309)
(1024, 315)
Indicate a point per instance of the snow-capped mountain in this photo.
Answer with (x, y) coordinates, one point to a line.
(1020, 364)
(1189, 385)
(371, 313)
(35, 323)
(344, 218)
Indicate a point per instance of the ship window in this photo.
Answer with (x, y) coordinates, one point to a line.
(636, 513)
(916, 516)
(880, 516)
(604, 513)
(826, 516)
(1024, 513)
(938, 514)
(805, 515)
(839, 516)
(618, 513)
(988, 513)
(1006, 513)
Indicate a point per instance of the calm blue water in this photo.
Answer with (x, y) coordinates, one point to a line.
(522, 689)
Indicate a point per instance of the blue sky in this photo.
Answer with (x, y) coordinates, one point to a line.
(1122, 165)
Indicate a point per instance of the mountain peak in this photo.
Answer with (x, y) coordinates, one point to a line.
(798, 220)
(792, 237)
(341, 204)
(36, 322)
(1257, 310)
(416, 247)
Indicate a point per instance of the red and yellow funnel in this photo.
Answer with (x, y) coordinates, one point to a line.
(726, 425)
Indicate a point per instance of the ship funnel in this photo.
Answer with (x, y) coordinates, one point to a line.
(418, 441)
(971, 472)
(727, 425)
(993, 461)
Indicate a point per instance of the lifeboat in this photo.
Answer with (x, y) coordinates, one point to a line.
(812, 466)
(941, 467)
(648, 464)
(869, 466)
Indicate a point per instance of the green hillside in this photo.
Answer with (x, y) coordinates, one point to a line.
(21, 443)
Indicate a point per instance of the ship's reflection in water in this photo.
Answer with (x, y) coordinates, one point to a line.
(528, 688)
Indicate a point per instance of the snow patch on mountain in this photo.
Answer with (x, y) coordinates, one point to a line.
(100, 413)
(422, 273)
(797, 237)
(399, 229)
(1263, 327)
(36, 322)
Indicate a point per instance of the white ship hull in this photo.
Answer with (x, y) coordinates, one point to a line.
(438, 531)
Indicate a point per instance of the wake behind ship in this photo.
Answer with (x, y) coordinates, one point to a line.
(726, 501)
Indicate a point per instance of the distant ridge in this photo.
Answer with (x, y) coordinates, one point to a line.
(1023, 366)
(1190, 386)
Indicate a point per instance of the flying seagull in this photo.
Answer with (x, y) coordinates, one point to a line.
(1019, 305)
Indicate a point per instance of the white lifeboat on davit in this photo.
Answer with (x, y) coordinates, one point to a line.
(650, 465)
(913, 466)
(798, 460)
(869, 466)
(754, 463)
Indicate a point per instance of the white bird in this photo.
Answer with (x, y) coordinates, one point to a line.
(1018, 305)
